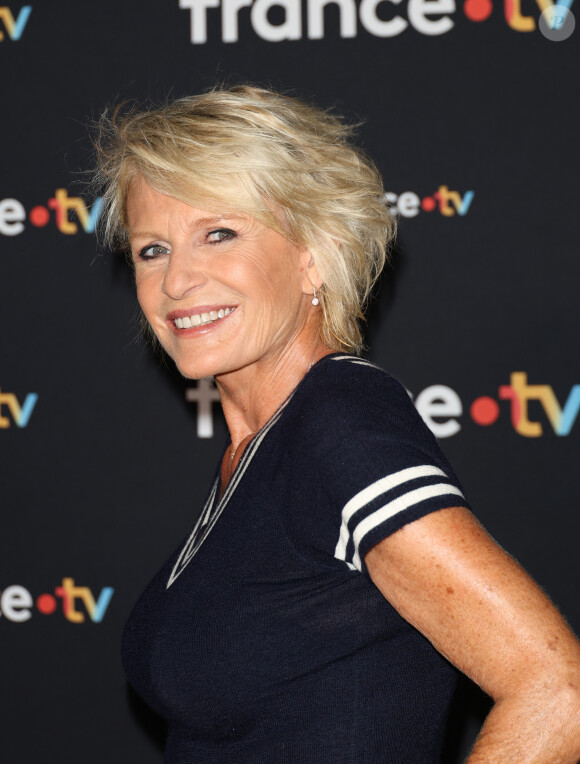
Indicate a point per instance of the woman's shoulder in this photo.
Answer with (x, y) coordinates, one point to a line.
(351, 369)
(362, 456)
(350, 415)
(353, 395)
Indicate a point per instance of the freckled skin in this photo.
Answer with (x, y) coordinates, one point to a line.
(498, 628)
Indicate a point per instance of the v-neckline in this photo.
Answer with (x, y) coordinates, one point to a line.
(256, 440)
(215, 504)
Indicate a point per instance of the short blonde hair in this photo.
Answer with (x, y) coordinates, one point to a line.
(250, 150)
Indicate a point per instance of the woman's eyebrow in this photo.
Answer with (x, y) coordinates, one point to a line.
(197, 223)
(144, 235)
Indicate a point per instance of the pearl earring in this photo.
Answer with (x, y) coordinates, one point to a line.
(315, 299)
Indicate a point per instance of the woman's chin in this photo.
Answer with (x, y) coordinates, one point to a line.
(199, 367)
(195, 370)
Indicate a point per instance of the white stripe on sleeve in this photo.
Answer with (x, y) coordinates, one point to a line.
(375, 489)
(393, 508)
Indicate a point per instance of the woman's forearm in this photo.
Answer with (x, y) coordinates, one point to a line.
(541, 726)
(476, 605)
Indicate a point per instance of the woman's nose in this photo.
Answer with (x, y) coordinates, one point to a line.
(183, 274)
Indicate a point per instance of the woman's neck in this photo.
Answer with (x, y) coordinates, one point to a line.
(252, 395)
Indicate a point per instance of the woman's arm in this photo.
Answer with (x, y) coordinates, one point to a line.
(448, 578)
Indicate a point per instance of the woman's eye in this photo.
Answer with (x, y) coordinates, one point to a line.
(153, 251)
(220, 234)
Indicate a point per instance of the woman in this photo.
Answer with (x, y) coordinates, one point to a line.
(334, 574)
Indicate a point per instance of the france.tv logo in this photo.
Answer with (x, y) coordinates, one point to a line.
(445, 201)
(69, 213)
(72, 601)
(441, 408)
(426, 17)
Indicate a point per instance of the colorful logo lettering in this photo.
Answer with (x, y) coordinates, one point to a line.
(516, 20)
(519, 393)
(446, 202)
(14, 26)
(20, 414)
(440, 406)
(13, 214)
(16, 602)
(427, 17)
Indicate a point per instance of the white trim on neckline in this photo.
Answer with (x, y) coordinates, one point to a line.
(212, 510)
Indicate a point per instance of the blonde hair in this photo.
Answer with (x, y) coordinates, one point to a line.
(250, 150)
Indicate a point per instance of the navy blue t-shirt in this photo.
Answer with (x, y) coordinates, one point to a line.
(263, 640)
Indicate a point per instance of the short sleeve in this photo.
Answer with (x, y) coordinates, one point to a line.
(376, 465)
(400, 495)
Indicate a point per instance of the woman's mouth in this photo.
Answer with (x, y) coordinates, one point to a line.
(202, 319)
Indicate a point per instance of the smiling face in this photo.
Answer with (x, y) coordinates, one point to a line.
(221, 292)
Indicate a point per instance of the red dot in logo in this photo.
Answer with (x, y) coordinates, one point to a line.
(39, 216)
(478, 10)
(46, 604)
(484, 410)
(428, 204)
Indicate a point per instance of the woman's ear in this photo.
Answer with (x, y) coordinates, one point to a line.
(312, 276)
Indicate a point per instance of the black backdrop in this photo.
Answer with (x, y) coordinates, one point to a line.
(471, 112)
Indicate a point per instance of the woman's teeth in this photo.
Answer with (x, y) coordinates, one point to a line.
(200, 319)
